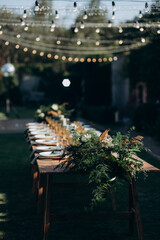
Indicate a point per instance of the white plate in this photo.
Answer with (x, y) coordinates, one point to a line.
(46, 141)
(33, 124)
(50, 154)
(39, 132)
(50, 148)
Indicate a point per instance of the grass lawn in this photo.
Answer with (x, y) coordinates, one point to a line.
(18, 218)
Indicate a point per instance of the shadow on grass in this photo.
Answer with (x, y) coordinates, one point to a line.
(18, 217)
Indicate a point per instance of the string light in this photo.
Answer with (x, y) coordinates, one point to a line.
(82, 25)
(115, 58)
(25, 49)
(110, 59)
(7, 43)
(100, 60)
(75, 6)
(76, 59)
(97, 43)
(70, 59)
(85, 16)
(140, 14)
(18, 35)
(78, 42)
(97, 30)
(104, 59)
(76, 29)
(158, 31)
(120, 30)
(94, 60)
(34, 51)
(63, 58)
(58, 42)
(89, 60)
(56, 15)
(120, 42)
(25, 13)
(146, 7)
(36, 9)
(38, 39)
(81, 59)
(113, 15)
(1, 32)
(56, 57)
(113, 6)
(49, 55)
(26, 29)
(109, 24)
(137, 25)
(22, 22)
(41, 54)
(17, 46)
(141, 29)
(143, 40)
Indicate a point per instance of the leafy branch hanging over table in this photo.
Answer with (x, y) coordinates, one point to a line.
(106, 159)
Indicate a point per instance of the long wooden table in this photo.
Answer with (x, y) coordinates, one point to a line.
(45, 169)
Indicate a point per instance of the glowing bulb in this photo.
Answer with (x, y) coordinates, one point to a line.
(158, 31)
(49, 55)
(56, 15)
(38, 39)
(82, 25)
(146, 7)
(76, 30)
(120, 42)
(89, 60)
(137, 25)
(63, 58)
(120, 30)
(109, 24)
(70, 59)
(97, 43)
(36, 9)
(75, 6)
(115, 58)
(17, 46)
(7, 43)
(66, 82)
(140, 14)
(34, 51)
(58, 42)
(1, 32)
(141, 29)
(113, 15)
(113, 5)
(76, 59)
(110, 59)
(18, 35)
(25, 13)
(143, 40)
(94, 60)
(56, 57)
(26, 29)
(25, 49)
(85, 15)
(41, 54)
(99, 59)
(104, 59)
(81, 59)
(22, 22)
(52, 30)
(78, 42)
(97, 30)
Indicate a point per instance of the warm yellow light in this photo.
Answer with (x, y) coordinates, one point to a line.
(7, 43)
(34, 51)
(76, 59)
(58, 42)
(17, 46)
(99, 59)
(78, 42)
(81, 59)
(94, 60)
(38, 39)
(1, 32)
(70, 59)
(63, 58)
(120, 42)
(49, 55)
(115, 58)
(26, 29)
(18, 35)
(110, 59)
(97, 43)
(104, 59)
(41, 54)
(88, 59)
(56, 57)
(25, 49)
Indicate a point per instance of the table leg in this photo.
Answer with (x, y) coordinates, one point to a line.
(48, 189)
(39, 193)
(35, 176)
(136, 209)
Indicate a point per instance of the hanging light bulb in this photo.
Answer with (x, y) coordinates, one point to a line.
(94, 60)
(146, 7)
(41, 54)
(34, 51)
(137, 25)
(52, 26)
(141, 29)
(109, 24)
(75, 6)
(25, 49)
(120, 42)
(78, 42)
(76, 59)
(58, 42)
(76, 29)
(81, 59)
(115, 58)
(38, 39)
(100, 60)
(49, 55)
(17, 46)
(113, 15)
(158, 31)
(56, 15)
(120, 30)
(82, 25)
(63, 58)
(113, 6)
(36, 9)
(18, 35)
(97, 43)
(70, 59)
(143, 40)
(140, 14)
(105, 59)
(56, 57)
(1, 32)
(22, 22)
(26, 29)
(97, 30)
(7, 43)
(25, 13)
(85, 16)
(89, 60)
